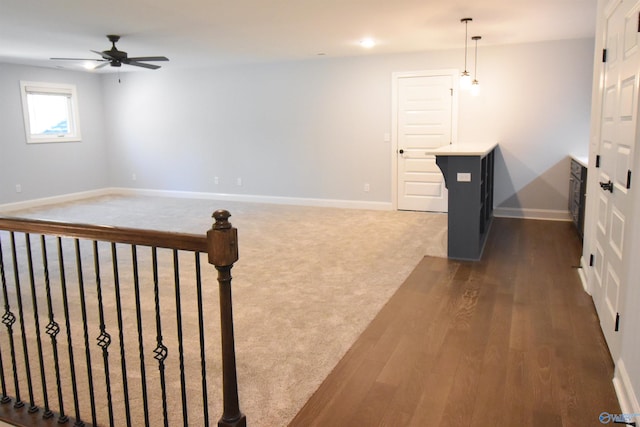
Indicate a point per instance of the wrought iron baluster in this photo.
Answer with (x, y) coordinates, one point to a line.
(65, 305)
(5, 399)
(43, 377)
(52, 330)
(203, 358)
(87, 353)
(160, 352)
(8, 319)
(123, 360)
(25, 349)
(183, 386)
(104, 339)
(143, 375)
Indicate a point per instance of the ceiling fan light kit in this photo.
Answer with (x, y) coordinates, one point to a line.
(116, 58)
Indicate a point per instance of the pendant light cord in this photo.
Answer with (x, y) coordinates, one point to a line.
(466, 36)
(475, 64)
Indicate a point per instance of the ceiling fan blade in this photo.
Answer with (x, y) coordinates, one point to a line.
(77, 59)
(150, 58)
(141, 64)
(105, 55)
(104, 64)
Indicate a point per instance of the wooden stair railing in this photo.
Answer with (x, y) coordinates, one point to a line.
(220, 244)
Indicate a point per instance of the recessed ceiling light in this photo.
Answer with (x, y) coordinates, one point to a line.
(367, 43)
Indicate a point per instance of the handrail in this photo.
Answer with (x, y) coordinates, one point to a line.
(132, 236)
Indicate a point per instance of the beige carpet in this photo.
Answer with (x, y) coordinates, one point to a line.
(308, 281)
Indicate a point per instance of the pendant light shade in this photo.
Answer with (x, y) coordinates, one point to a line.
(475, 88)
(475, 84)
(465, 77)
(465, 80)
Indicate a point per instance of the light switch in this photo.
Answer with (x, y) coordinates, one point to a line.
(464, 177)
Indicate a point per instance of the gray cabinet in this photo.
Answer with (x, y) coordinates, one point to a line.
(577, 192)
(469, 179)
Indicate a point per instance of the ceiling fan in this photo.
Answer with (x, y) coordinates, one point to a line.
(116, 58)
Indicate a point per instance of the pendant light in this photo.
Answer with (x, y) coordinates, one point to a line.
(475, 85)
(465, 78)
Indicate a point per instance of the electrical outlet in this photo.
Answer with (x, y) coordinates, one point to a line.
(18, 188)
(134, 177)
(366, 187)
(463, 177)
(239, 181)
(216, 180)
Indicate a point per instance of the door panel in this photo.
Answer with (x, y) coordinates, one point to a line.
(423, 189)
(609, 104)
(623, 165)
(603, 204)
(599, 266)
(630, 34)
(424, 110)
(626, 99)
(612, 289)
(616, 234)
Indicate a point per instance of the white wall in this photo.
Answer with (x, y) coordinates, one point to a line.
(45, 170)
(537, 106)
(315, 128)
(307, 129)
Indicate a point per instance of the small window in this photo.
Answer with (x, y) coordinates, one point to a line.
(50, 112)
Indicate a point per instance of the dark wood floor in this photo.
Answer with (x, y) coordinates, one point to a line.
(512, 340)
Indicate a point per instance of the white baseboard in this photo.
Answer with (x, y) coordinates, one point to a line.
(300, 201)
(525, 213)
(624, 390)
(279, 200)
(545, 214)
(71, 197)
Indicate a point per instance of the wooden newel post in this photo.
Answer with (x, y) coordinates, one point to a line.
(222, 242)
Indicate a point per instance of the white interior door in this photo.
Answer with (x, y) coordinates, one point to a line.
(424, 112)
(616, 145)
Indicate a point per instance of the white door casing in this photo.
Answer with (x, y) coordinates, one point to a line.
(618, 133)
(424, 117)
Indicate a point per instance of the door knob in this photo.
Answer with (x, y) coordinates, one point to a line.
(401, 151)
(607, 186)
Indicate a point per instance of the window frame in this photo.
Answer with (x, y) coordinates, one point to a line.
(60, 89)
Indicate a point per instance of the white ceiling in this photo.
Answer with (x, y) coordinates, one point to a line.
(218, 32)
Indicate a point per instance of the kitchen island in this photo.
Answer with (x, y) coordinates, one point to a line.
(468, 175)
